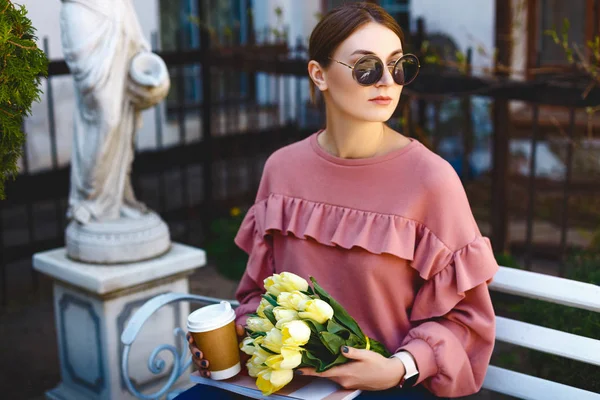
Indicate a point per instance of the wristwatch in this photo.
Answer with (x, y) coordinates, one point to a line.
(411, 373)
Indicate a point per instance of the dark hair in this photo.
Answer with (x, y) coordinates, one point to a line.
(341, 22)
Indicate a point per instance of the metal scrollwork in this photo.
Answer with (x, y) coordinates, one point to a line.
(156, 364)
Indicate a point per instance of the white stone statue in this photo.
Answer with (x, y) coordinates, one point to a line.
(116, 76)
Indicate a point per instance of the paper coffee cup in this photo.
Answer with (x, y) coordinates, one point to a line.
(213, 330)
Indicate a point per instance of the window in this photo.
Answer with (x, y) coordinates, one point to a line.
(228, 19)
(583, 16)
(229, 22)
(552, 15)
(399, 9)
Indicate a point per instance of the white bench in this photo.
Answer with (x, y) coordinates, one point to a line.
(507, 280)
(554, 290)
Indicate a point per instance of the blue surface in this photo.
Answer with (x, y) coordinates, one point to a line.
(208, 392)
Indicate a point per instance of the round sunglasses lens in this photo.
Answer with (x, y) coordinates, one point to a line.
(406, 70)
(368, 71)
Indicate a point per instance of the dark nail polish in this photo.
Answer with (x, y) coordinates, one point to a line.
(197, 354)
(298, 372)
(204, 363)
(345, 349)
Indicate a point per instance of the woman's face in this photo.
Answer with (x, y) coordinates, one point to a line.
(345, 94)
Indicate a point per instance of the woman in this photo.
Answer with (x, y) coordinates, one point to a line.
(380, 221)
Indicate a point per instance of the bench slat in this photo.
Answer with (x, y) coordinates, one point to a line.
(530, 387)
(548, 288)
(547, 340)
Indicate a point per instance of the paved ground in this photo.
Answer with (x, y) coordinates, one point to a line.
(28, 345)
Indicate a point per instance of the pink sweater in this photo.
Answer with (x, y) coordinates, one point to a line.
(393, 239)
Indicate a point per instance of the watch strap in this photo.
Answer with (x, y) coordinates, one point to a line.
(411, 373)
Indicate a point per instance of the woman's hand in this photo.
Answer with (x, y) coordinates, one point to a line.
(198, 357)
(367, 371)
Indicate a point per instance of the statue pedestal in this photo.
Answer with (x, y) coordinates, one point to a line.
(92, 305)
(124, 240)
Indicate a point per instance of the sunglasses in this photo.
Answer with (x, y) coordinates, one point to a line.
(368, 70)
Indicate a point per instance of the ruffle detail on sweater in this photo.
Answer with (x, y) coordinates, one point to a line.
(447, 274)
(454, 273)
(344, 227)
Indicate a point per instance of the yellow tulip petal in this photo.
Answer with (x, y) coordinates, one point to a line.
(293, 282)
(247, 346)
(281, 377)
(295, 300)
(295, 333)
(256, 364)
(257, 324)
(317, 310)
(274, 362)
(261, 308)
(291, 357)
(273, 340)
(263, 382)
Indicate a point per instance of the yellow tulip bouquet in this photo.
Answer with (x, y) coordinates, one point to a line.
(297, 326)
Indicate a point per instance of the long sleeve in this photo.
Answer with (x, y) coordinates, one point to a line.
(452, 315)
(453, 351)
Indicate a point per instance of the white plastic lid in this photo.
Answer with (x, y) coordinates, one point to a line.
(210, 317)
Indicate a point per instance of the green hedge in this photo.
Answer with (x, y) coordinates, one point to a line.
(229, 259)
(21, 65)
(581, 266)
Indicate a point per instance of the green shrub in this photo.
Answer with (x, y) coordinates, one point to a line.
(21, 65)
(507, 260)
(230, 260)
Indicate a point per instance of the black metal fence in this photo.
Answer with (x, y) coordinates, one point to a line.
(252, 102)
